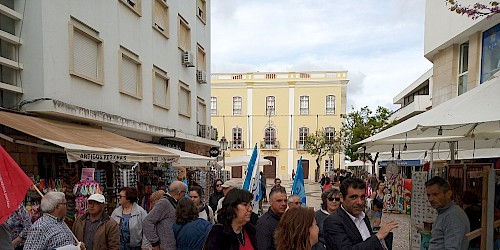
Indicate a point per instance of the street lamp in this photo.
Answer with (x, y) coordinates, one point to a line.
(223, 147)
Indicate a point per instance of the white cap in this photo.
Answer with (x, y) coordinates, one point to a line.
(229, 183)
(97, 197)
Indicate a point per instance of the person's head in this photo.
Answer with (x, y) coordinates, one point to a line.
(228, 185)
(218, 185)
(161, 186)
(277, 182)
(128, 195)
(177, 189)
(236, 207)
(195, 193)
(277, 200)
(294, 201)
(296, 230)
(438, 192)
(186, 211)
(328, 180)
(155, 196)
(95, 204)
(322, 175)
(380, 186)
(353, 195)
(54, 203)
(330, 200)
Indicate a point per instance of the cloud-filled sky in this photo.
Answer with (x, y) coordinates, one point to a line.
(380, 43)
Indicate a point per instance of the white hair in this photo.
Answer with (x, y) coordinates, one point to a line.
(50, 201)
(290, 199)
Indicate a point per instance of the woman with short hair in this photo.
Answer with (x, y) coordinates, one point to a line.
(190, 231)
(330, 202)
(296, 230)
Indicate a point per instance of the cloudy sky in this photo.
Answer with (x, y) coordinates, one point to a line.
(380, 43)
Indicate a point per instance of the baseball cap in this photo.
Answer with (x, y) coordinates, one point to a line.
(97, 197)
(229, 183)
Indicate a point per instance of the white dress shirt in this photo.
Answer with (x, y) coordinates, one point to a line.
(360, 224)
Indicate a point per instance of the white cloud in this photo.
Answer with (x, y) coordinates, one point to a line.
(380, 43)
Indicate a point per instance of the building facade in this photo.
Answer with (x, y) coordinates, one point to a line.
(276, 111)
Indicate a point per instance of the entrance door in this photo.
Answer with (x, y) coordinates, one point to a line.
(236, 171)
(305, 168)
(270, 170)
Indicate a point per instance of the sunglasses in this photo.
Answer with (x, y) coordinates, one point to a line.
(334, 199)
(218, 185)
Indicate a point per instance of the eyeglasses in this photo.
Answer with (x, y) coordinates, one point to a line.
(334, 199)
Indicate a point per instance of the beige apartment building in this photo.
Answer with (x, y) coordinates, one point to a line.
(276, 111)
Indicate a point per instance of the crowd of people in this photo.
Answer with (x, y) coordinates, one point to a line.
(179, 219)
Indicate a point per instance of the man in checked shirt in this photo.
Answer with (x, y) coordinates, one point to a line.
(50, 231)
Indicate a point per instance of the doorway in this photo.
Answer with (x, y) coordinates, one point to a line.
(305, 168)
(236, 171)
(270, 170)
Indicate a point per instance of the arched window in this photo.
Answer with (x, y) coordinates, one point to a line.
(270, 137)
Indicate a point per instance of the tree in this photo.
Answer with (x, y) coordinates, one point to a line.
(475, 11)
(359, 125)
(318, 145)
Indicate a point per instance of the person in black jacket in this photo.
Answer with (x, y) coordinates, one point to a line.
(340, 229)
(234, 231)
(217, 195)
(267, 223)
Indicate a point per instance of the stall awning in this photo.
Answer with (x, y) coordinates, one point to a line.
(84, 143)
(186, 159)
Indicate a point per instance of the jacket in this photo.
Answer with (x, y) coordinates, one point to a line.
(214, 199)
(191, 235)
(157, 226)
(224, 238)
(341, 233)
(320, 216)
(107, 235)
(137, 216)
(266, 226)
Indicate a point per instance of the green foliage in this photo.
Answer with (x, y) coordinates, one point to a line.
(318, 145)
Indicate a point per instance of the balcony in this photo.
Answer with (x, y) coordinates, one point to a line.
(237, 145)
(270, 145)
(419, 105)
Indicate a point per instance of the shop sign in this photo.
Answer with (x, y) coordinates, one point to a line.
(98, 156)
(214, 151)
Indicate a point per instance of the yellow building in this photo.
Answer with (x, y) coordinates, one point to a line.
(276, 111)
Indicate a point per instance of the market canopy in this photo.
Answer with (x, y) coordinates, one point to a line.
(83, 143)
(243, 161)
(186, 159)
(358, 163)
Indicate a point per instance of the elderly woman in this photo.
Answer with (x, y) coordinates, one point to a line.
(330, 202)
(19, 223)
(129, 216)
(190, 231)
(204, 211)
(235, 232)
(296, 230)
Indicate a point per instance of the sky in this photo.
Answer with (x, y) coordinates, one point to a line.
(379, 43)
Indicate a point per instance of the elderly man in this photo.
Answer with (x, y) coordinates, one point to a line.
(50, 231)
(294, 201)
(157, 226)
(95, 228)
(268, 222)
(226, 187)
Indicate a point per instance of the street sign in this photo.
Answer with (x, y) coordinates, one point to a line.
(214, 151)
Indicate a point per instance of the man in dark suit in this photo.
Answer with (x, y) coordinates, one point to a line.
(348, 227)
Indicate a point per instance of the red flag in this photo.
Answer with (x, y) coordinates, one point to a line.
(14, 184)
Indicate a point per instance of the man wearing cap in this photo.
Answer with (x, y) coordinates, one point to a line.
(226, 187)
(95, 228)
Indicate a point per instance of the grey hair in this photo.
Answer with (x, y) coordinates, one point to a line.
(290, 199)
(176, 186)
(51, 200)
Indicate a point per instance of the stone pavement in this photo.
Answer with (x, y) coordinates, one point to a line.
(313, 194)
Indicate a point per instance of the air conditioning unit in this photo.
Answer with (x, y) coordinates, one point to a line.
(187, 59)
(201, 76)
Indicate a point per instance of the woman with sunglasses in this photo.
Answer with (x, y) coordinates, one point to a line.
(217, 195)
(330, 202)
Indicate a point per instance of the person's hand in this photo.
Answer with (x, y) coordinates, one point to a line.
(16, 242)
(385, 229)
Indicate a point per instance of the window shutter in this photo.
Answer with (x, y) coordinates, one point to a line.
(160, 91)
(85, 55)
(184, 101)
(129, 76)
(160, 16)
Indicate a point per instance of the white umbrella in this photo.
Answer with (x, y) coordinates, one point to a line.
(243, 161)
(358, 163)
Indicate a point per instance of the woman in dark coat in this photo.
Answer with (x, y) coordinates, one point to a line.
(235, 232)
(217, 195)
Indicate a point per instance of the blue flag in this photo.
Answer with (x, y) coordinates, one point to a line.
(298, 187)
(250, 167)
(252, 180)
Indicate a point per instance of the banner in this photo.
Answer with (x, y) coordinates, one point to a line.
(298, 187)
(14, 184)
(253, 184)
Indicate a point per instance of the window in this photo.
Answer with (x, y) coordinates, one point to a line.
(130, 74)
(329, 165)
(490, 56)
(304, 105)
(201, 10)
(160, 17)
(237, 138)
(270, 136)
(330, 135)
(463, 68)
(184, 35)
(134, 5)
(213, 105)
(237, 104)
(330, 104)
(161, 88)
(303, 133)
(86, 52)
(201, 61)
(184, 100)
(201, 112)
(270, 105)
